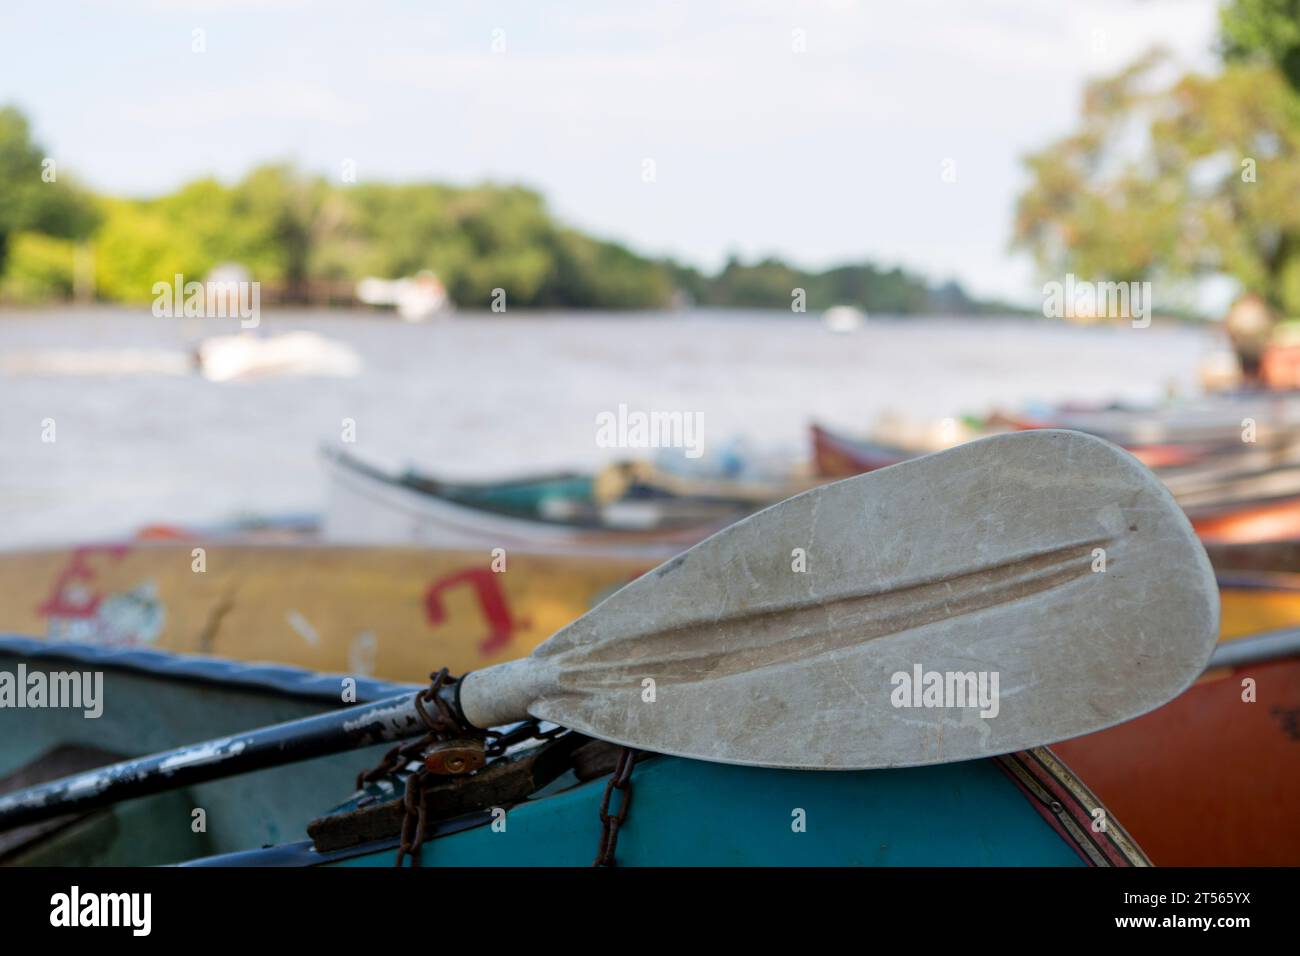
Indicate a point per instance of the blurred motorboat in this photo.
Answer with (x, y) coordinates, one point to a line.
(844, 318)
(225, 358)
(417, 298)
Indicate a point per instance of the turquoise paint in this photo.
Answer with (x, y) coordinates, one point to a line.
(527, 497)
(687, 813)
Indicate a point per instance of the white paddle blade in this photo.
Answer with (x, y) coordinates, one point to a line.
(1001, 595)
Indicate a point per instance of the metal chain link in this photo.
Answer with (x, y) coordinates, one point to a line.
(443, 724)
(620, 780)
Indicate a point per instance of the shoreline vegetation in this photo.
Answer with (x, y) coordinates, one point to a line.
(308, 241)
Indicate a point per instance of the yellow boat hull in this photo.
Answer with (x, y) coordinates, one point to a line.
(1267, 603)
(391, 613)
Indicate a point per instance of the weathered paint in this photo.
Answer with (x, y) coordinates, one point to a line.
(395, 613)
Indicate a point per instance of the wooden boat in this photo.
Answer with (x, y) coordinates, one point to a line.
(386, 612)
(714, 643)
(534, 497)
(1269, 556)
(995, 812)
(1024, 809)
(369, 506)
(839, 456)
(1235, 495)
(1213, 421)
(1249, 522)
(1257, 602)
(389, 612)
(1212, 778)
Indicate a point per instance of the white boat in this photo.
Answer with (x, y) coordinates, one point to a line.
(365, 505)
(844, 318)
(417, 298)
(225, 358)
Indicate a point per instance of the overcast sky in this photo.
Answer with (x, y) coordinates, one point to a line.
(832, 154)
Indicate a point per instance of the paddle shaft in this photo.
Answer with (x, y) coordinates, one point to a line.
(394, 718)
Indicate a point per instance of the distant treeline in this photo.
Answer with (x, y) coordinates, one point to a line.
(296, 232)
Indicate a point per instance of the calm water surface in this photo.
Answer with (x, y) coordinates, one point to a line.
(481, 397)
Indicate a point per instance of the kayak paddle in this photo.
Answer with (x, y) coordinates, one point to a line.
(826, 632)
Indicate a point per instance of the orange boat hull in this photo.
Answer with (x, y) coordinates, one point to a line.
(1271, 521)
(1209, 779)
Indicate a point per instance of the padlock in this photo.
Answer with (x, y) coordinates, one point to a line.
(455, 757)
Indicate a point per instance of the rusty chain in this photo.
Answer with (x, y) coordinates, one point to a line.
(620, 780)
(443, 725)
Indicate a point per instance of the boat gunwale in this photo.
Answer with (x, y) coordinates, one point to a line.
(258, 677)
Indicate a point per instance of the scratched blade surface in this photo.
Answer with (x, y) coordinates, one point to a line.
(985, 559)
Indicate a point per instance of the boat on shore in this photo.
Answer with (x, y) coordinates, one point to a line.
(1249, 522)
(1211, 778)
(367, 505)
(1243, 493)
(769, 680)
(840, 456)
(384, 612)
(1023, 809)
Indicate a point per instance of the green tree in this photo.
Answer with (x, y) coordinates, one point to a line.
(31, 200)
(1201, 177)
(137, 246)
(1263, 29)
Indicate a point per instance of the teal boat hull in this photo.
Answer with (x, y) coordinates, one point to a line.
(691, 813)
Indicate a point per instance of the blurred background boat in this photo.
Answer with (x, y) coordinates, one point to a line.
(417, 298)
(225, 358)
(369, 505)
(843, 319)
